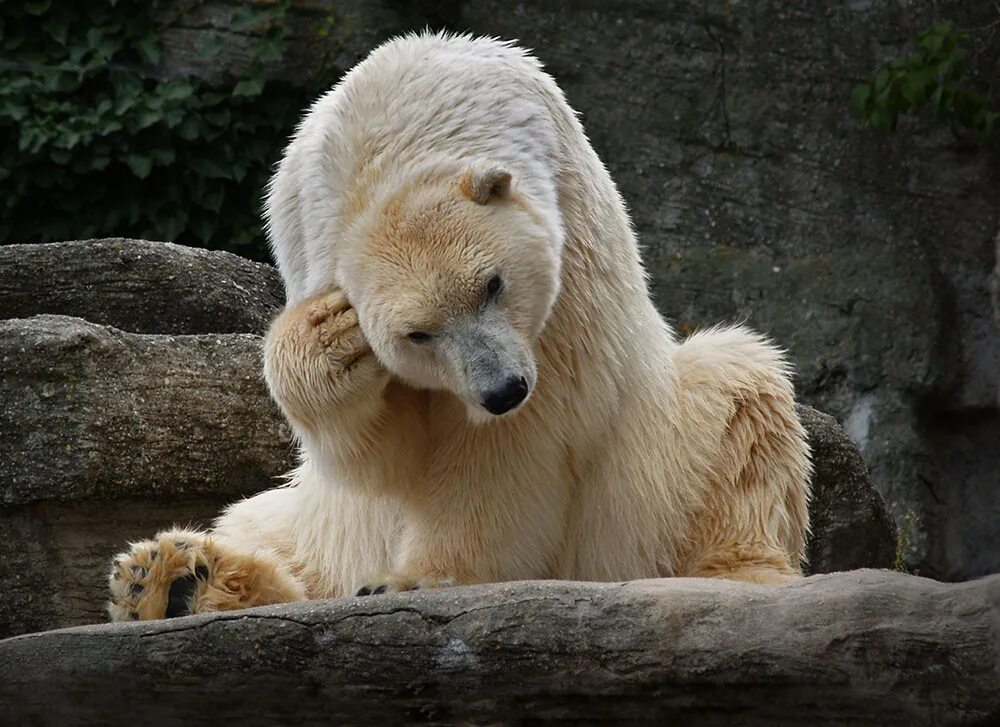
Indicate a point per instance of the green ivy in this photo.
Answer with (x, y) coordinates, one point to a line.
(95, 145)
(936, 75)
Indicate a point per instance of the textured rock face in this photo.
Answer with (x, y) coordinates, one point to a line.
(758, 196)
(854, 648)
(107, 436)
(849, 523)
(91, 411)
(140, 286)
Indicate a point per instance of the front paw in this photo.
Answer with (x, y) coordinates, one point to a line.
(396, 582)
(316, 358)
(161, 578)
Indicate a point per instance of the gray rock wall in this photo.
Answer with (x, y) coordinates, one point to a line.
(760, 197)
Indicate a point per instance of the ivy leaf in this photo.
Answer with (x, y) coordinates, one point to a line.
(860, 97)
(211, 45)
(141, 166)
(94, 37)
(915, 85)
(162, 157)
(59, 30)
(149, 48)
(211, 199)
(204, 228)
(172, 224)
(249, 86)
(219, 117)
(189, 128)
(37, 7)
(175, 90)
(210, 169)
(244, 18)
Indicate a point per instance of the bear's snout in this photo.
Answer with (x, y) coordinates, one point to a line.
(507, 396)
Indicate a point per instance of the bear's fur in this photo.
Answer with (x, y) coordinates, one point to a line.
(450, 242)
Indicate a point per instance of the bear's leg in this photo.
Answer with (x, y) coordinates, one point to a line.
(754, 515)
(322, 372)
(182, 572)
(754, 522)
(750, 563)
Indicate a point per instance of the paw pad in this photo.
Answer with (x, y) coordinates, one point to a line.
(159, 578)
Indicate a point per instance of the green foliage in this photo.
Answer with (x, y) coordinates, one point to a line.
(94, 145)
(936, 76)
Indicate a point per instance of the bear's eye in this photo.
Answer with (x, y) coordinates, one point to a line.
(494, 287)
(419, 336)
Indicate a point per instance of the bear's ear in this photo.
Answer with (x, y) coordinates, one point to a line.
(484, 185)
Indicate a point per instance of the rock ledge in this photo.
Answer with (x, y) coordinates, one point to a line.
(858, 648)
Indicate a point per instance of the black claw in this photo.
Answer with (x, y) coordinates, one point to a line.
(201, 572)
(137, 588)
(179, 598)
(379, 591)
(134, 616)
(153, 554)
(364, 591)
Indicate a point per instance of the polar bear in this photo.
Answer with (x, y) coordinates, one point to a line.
(480, 385)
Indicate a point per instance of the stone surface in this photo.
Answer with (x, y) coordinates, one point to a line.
(108, 436)
(90, 411)
(868, 647)
(850, 525)
(323, 37)
(55, 556)
(140, 286)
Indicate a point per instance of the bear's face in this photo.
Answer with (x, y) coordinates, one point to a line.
(453, 282)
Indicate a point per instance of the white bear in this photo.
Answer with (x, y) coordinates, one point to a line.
(479, 382)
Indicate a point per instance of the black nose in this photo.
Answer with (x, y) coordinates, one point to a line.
(503, 399)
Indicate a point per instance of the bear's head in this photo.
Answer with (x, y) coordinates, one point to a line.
(453, 280)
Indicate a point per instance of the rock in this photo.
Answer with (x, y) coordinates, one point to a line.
(55, 556)
(140, 286)
(868, 647)
(107, 436)
(321, 36)
(90, 412)
(850, 525)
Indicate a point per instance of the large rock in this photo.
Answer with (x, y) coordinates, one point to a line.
(323, 37)
(140, 286)
(856, 648)
(850, 526)
(107, 436)
(90, 411)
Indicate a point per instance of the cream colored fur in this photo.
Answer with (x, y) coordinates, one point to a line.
(438, 162)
